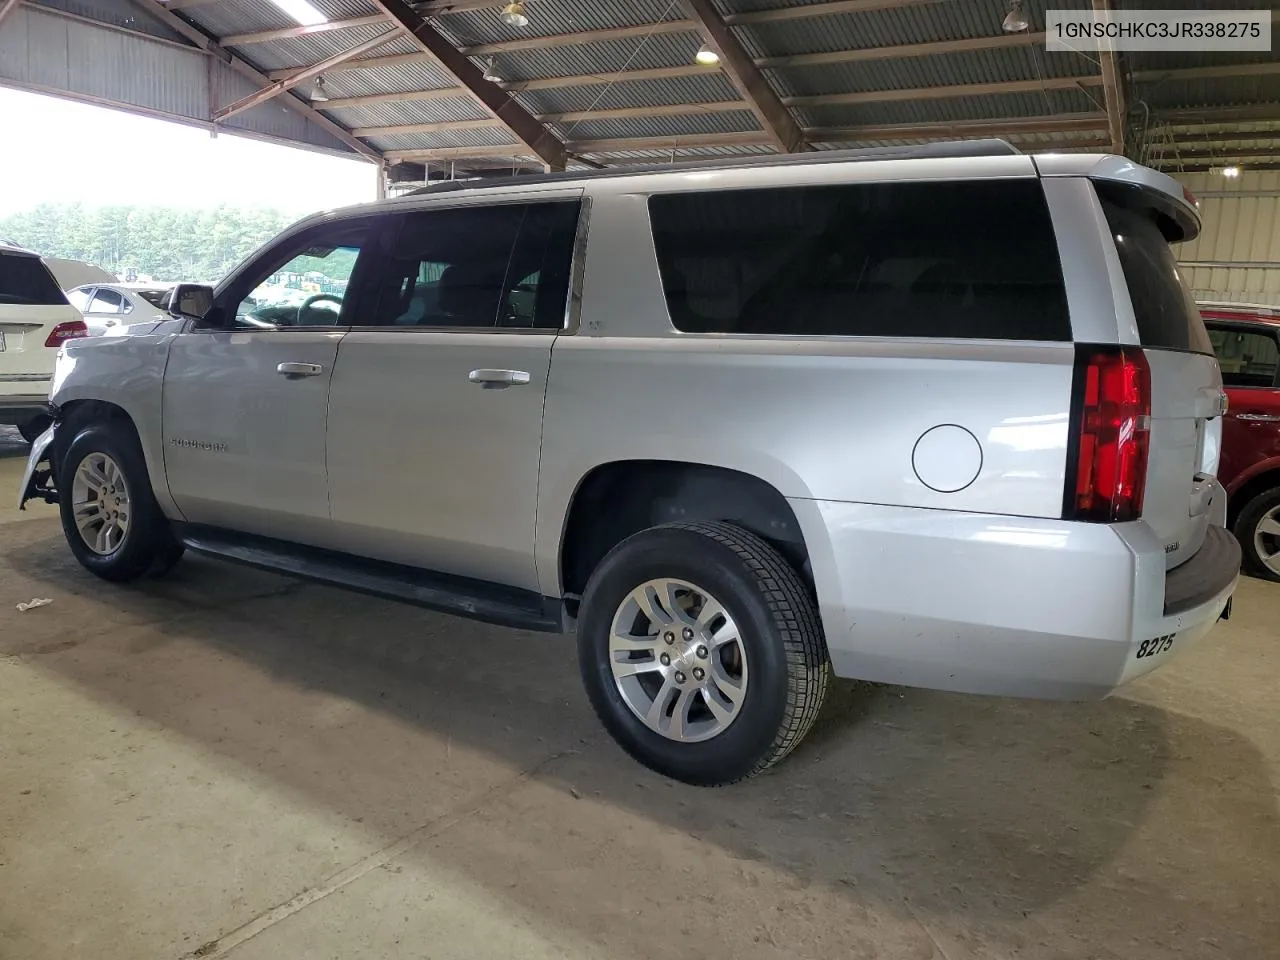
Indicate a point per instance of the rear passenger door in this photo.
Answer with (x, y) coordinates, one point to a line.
(435, 410)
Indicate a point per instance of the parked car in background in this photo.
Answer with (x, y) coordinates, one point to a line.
(891, 414)
(108, 306)
(74, 273)
(1246, 338)
(35, 319)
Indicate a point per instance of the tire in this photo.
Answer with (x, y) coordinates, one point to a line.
(1263, 508)
(110, 449)
(31, 430)
(778, 651)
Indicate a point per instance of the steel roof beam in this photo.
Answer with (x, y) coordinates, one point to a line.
(305, 30)
(1067, 122)
(514, 117)
(929, 49)
(463, 6)
(1064, 125)
(942, 93)
(206, 43)
(280, 86)
(1112, 91)
(776, 120)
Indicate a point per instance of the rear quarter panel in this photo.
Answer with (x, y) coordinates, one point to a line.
(127, 371)
(833, 419)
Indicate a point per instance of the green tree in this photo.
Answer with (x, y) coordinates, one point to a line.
(167, 243)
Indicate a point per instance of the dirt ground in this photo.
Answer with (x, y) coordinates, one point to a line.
(232, 763)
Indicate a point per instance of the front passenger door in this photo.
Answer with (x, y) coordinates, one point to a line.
(245, 403)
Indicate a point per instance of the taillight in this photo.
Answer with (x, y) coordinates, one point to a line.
(71, 330)
(1114, 429)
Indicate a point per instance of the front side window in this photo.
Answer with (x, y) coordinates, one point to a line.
(1247, 358)
(302, 284)
(502, 266)
(107, 301)
(972, 260)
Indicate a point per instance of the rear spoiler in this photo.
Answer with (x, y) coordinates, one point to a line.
(1131, 185)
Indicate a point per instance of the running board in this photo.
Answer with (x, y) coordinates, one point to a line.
(460, 596)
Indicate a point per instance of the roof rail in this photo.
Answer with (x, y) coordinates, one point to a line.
(956, 148)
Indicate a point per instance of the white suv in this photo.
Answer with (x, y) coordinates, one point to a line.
(35, 319)
(940, 416)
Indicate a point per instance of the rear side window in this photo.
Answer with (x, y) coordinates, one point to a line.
(1167, 315)
(1248, 358)
(968, 260)
(27, 281)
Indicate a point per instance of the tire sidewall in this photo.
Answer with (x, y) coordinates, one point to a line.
(1247, 526)
(135, 554)
(685, 555)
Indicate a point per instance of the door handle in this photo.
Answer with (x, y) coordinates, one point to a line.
(1259, 417)
(498, 379)
(296, 371)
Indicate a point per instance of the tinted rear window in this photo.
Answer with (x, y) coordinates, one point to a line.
(26, 280)
(1167, 315)
(971, 260)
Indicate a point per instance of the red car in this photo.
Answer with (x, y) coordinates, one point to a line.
(1247, 341)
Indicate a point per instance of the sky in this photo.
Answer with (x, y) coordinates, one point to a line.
(66, 151)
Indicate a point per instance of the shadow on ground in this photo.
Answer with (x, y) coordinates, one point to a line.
(967, 812)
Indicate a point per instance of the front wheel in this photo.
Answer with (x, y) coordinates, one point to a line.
(109, 514)
(701, 651)
(1258, 530)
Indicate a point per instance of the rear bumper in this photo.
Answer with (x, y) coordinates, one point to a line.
(21, 408)
(1005, 605)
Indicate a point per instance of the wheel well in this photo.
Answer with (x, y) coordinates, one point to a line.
(617, 500)
(1256, 485)
(78, 413)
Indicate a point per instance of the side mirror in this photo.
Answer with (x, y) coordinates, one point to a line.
(190, 301)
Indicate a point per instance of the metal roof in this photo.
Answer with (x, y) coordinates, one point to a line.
(639, 95)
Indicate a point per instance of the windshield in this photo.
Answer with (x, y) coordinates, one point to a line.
(27, 281)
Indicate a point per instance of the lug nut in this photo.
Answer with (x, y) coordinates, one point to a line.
(688, 633)
(702, 651)
(666, 659)
(669, 637)
(680, 677)
(698, 673)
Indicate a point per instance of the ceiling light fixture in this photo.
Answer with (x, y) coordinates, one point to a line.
(707, 55)
(490, 74)
(301, 11)
(1015, 21)
(513, 15)
(1231, 172)
(318, 94)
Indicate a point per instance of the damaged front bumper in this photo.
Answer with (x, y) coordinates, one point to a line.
(38, 480)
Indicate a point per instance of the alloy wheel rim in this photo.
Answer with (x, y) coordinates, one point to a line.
(678, 660)
(1266, 540)
(100, 503)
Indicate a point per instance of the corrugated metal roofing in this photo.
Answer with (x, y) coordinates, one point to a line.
(930, 21)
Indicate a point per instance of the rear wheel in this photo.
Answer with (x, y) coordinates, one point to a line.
(701, 651)
(109, 515)
(1258, 530)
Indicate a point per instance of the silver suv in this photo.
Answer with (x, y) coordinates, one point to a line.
(940, 416)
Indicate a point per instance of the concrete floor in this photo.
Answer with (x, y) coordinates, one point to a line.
(231, 763)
